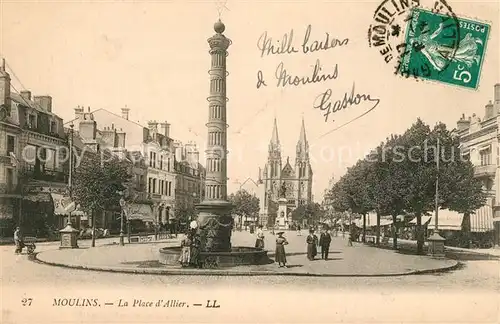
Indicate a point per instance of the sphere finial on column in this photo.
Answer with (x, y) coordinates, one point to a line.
(219, 27)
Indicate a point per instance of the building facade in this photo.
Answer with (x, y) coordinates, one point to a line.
(297, 179)
(33, 158)
(479, 141)
(111, 143)
(154, 145)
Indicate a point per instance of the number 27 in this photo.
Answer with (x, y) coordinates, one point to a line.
(26, 301)
(463, 76)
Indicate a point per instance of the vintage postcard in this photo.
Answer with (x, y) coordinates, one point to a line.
(249, 161)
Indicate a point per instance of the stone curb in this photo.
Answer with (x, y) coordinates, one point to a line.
(206, 272)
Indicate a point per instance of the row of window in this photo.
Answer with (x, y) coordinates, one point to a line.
(32, 123)
(158, 186)
(161, 163)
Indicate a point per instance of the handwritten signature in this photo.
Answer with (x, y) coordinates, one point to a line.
(324, 103)
(284, 78)
(268, 46)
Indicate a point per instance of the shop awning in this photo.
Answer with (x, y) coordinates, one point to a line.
(38, 197)
(63, 206)
(425, 220)
(481, 221)
(139, 212)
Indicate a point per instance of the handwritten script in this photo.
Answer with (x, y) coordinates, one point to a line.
(269, 46)
(324, 103)
(319, 73)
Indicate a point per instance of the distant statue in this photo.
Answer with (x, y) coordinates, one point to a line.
(283, 190)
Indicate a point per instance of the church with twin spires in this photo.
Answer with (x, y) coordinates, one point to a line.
(297, 177)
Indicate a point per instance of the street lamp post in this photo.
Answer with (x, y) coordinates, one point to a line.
(436, 241)
(122, 208)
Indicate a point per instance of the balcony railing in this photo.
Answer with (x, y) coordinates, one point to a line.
(485, 170)
(44, 175)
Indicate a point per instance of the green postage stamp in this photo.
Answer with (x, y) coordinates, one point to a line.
(443, 48)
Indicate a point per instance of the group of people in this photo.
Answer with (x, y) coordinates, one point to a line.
(190, 250)
(313, 244)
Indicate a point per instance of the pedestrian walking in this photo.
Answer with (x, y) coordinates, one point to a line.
(195, 257)
(352, 234)
(18, 240)
(312, 241)
(324, 241)
(280, 255)
(259, 241)
(299, 232)
(185, 257)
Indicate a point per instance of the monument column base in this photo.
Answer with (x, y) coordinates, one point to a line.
(214, 225)
(436, 245)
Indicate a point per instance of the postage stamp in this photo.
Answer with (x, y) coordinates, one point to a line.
(393, 18)
(434, 53)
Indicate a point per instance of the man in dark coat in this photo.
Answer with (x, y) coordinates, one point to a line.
(324, 241)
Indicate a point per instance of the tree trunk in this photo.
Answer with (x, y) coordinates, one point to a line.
(378, 228)
(93, 227)
(394, 232)
(466, 230)
(420, 238)
(364, 228)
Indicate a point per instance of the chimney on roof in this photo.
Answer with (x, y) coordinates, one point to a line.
(78, 112)
(45, 102)
(125, 112)
(488, 111)
(4, 86)
(463, 123)
(165, 129)
(26, 94)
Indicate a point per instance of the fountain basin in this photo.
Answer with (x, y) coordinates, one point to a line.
(239, 255)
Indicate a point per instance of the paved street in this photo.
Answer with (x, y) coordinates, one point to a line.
(18, 270)
(322, 299)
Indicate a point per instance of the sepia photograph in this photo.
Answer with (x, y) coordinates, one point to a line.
(232, 161)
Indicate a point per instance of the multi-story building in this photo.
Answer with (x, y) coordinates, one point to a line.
(111, 143)
(149, 144)
(32, 159)
(479, 140)
(297, 180)
(190, 176)
(155, 146)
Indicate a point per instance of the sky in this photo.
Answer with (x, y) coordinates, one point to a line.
(152, 56)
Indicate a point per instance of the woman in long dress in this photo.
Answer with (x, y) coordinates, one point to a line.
(195, 251)
(280, 255)
(185, 251)
(312, 241)
(259, 241)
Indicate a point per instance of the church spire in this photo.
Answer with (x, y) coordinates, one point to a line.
(302, 145)
(302, 138)
(274, 138)
(274, 144)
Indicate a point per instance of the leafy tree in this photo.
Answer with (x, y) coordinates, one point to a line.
(459, 190)
(97, 183)
(311, 212)
(184, 211)
(245, 204)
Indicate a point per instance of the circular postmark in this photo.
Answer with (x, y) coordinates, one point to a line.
(418, 38)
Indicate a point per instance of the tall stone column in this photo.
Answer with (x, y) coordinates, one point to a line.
(214, 218)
